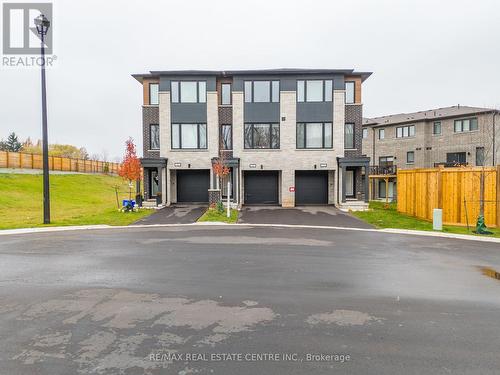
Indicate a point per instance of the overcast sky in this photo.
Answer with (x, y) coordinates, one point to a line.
(424, 54)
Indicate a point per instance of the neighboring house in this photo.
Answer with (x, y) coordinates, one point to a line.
(450, 136)
(289, 136)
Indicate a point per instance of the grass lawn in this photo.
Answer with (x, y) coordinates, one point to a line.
(391, 218)
(213, 215)
(76, 199)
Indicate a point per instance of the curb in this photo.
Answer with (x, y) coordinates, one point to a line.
(221, 224)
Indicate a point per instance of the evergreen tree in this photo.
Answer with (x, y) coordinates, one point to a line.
(12, 144)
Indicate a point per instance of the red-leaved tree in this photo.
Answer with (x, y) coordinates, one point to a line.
(130, 169)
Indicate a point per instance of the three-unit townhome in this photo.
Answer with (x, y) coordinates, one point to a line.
(289, 136)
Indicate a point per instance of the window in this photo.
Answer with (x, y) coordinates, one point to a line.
(479, 156)
(456, 158)
(314, 90)
(436, 130)
(349, 92)
(154, 137)
(262, 91)
(226, 137)
(349, 135)
(465, 125)
(381, 133)
(386, 161)
(410, 157)
(262, 136)
(365, 133)
(189, 136)
(314, 135)
(225, 94)
(188, 91)
(405, 131)
(154, 89)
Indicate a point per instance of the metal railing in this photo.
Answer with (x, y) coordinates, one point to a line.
(383, 169)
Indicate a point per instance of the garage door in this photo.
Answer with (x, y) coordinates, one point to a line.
(193, 185)
(261, 187)
(311, 187)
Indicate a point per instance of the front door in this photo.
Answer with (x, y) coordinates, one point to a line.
(349, 183)
(153, 183)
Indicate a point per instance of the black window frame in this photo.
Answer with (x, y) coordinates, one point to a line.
(381, 131)
(270, 136)
(462, 125)
(353, 92)
(353, 136)
(252, 96)
(179, 91)
(402, 131)
(434, 128)
(461, 153)
(222, 144)
(151, 138)
(149, 87)
(323, 140)
(222, 93)
(323, 91)
(408, 153)
(385, 163)
(180, 136)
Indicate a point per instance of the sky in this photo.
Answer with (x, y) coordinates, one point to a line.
(423, 54)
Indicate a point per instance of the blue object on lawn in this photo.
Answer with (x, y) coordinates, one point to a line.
(127, 202)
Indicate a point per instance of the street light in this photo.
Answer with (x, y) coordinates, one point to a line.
(42, 27)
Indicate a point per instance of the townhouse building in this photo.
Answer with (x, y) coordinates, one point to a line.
(288, 136)
(450, 136)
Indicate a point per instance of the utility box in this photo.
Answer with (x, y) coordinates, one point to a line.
(437, 219)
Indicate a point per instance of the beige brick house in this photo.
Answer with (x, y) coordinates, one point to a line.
(457, 135)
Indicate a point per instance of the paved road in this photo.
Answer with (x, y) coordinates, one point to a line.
(104, 301)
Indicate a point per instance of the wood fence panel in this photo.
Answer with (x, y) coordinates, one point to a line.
(455, 190)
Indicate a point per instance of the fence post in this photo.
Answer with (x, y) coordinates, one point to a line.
(497, 203)
(440, 187)
(7, 158)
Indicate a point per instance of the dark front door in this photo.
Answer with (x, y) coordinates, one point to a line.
(261, 187)
(193, 185)
(311, 187)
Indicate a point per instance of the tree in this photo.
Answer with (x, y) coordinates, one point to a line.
(130, 169)
(12, 144)
(220, 168)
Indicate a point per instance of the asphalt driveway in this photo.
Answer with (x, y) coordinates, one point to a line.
(176, 214)
(307, 215)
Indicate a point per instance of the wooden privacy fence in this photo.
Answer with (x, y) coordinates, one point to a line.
(455, 190)
(56, 163)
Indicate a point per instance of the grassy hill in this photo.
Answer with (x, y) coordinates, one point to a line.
(76, 199)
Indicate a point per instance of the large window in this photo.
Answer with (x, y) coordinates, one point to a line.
(225, 94)
(456, 158)
(386, 161)
(410, 157)
(436, 130)
(405, 131)
(479, 156)
(154, 89)
(466, 125)
(226, 136)
(154, 137)
(381, 133)
(349, 135)
(314, 90)
(349, 92)
(365, 133)
(314, 135)
(262, 136)
(188, 91)
(189, 136)
(262, 91)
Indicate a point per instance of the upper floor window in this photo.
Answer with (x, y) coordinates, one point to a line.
(386, 161)
(189, 136)
(262, 136)
(405, 131)
(465, 125)
(365, 133)
(226, 136)
(349, 135)
(188, 91)
(225, 94)
(436, 129)
(349, 92)
(381, 133)
(262, 91)
(316, 90)
(154, 137)
(314, 135)
(154, 89)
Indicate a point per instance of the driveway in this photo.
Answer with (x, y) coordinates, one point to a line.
(307, 215)
(176, 214)
(123, 301)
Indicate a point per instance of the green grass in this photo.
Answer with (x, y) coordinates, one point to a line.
(381, 217)
(76, 199)
(213, 215)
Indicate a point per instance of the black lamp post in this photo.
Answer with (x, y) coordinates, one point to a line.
(42, 27)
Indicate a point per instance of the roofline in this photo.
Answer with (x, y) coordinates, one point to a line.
(480, 112)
